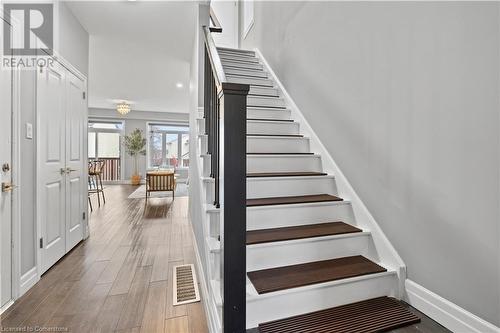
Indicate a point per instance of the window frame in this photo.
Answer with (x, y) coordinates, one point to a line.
(120, 131)
(164, 133)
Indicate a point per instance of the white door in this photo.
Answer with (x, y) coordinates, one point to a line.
(6, 179)
(51, 164)
(76, 181)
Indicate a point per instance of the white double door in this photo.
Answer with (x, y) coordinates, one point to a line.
(62, 173)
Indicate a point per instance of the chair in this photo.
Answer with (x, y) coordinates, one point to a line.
(160, 181)
(95, 180)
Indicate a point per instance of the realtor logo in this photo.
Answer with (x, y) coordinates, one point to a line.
(28, 29)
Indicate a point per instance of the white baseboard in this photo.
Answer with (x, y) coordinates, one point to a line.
(28, 280)
(445, 312)
(6, 306)
(209, 305)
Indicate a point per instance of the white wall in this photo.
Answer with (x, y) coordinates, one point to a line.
(405, 96)
(227, 14)
(73, 39)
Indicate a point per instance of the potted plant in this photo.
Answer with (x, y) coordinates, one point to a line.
(135, 145)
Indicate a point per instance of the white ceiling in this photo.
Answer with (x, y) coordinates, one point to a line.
(139, 52)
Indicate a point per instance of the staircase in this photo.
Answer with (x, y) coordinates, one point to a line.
(310, 262)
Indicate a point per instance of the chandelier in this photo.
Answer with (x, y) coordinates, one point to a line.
(123, 108)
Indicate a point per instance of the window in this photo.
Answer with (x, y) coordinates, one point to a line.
(104, 144)
(168, 146)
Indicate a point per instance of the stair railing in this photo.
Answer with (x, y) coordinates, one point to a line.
(225, 124)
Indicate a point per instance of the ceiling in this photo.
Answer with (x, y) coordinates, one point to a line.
(140, 51)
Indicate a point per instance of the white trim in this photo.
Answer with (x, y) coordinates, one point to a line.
(249, 25)
(208, 302)
(6, 306)
(17, 180)
(388, 255)
(445, 312)
(28, 280)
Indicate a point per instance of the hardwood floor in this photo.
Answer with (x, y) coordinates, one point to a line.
(120, 278)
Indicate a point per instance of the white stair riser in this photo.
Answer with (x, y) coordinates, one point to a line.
(257, 144)
(276, 163)
(266, 91)
(276, 114)
(265, 101)
(278, 254)
(234, 71)
(247, 80)
(283, 305)
(238, 58)
(242, 65)
(267, 127)
(289, 186)
(236, 53)
(293, 215)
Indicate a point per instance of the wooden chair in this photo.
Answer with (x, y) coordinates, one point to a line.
(160, 181)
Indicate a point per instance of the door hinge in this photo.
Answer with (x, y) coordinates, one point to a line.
(84, 95)
(84, 215)
(41, 243)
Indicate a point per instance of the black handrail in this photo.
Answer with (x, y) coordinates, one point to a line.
(225, 105)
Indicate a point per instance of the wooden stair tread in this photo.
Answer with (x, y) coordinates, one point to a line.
(299, 232)
(380, 314)
(292, 200)
(280, 153)
(285, 174)
(278, 135)
(281, 278)
(264, 119)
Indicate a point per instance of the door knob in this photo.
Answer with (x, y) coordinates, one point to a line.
(68, 170)
(63, 171)
(5, 167)
(8, 187)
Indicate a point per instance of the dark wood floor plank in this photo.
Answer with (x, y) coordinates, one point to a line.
(298, 232)
(292, 200)
(135, 303)
(153, 319)
(109, 314)
(274, 279)
(160, 264)
(114, 266)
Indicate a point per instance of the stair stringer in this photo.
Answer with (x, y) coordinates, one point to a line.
(211, 296)
(387, 253)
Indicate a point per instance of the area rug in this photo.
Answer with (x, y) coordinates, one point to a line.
(180, 191)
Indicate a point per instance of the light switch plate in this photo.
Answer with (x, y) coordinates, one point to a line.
(29, 131)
